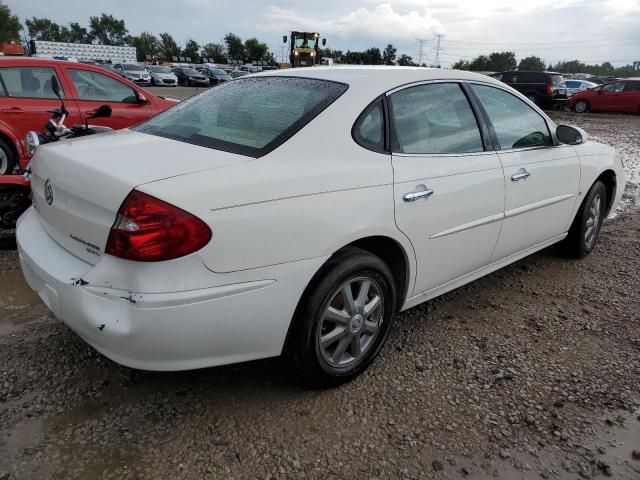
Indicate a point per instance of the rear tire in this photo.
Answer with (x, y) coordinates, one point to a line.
(7, 158)
(343, 318)
(584, 232)
(14, 201)
(581, 106)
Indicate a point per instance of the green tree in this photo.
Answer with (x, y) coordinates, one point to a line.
(255, 49)
(406, 61)
(461, 65)
(479, 64)
(501, 61)
(9, 25)
(532, 63)
(215, 51)
(168, 46)
(191, 50)
(235, 47)
(76, 33)
(389, 55)
(43, 29)
(146, 44)
(108, 30)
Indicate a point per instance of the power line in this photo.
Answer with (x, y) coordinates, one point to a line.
(436, 60)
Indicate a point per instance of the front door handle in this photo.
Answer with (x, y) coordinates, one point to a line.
(417, 195)
(521, 175)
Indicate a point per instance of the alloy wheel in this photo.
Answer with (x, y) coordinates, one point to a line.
(593, 222)
(4, 162)
(351, 322)
(581, 106)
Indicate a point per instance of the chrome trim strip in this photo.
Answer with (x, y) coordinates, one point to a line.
(437, 155)
(466, 226)
(514, 212)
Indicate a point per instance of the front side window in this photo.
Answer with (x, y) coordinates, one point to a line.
(250, 116)
(516, 124)
(434, 119)
(633, 86)
(613, 87)
(369, 128)
(28, 82)
(97, 87)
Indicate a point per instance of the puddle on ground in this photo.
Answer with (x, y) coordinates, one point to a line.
(607, 454)
(18, 303)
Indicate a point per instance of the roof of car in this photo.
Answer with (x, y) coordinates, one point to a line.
(384, 77)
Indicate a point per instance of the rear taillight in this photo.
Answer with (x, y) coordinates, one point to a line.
(549, 89)
(150, 230)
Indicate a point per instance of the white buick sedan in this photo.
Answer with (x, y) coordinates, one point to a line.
(295, 212)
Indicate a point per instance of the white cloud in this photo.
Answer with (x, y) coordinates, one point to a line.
(381, 22)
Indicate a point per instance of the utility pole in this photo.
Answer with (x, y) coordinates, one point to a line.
(422, 43)
(436, 61)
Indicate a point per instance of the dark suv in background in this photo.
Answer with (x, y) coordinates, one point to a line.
(545, 89)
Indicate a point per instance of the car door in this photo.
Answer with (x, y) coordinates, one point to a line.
(93, 89)
(448, 183)
(541, 179)
(28, 97)
(630, 98)
(609, 97)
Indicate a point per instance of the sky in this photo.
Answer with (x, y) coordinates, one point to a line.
(592, 31)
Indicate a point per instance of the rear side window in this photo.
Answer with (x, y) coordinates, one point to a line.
(28, 82)
(434, 119)
(101, 88)
(369, 128)
(516, 124)
(510, 77)
(249, 116)
(633, 86)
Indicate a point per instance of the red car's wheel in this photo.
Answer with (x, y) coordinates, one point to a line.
(581, 106)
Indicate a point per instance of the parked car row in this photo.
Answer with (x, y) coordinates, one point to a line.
(619, 96)
(26, 97)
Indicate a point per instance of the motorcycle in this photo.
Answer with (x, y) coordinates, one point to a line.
(15, 189)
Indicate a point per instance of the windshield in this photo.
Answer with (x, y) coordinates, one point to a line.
(160, 70)
(134, 68)
(219, 71)
(250, 116)
(190, 71)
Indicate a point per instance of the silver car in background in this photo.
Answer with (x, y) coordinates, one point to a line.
(133, 72)
(577, 86)
(162, 76)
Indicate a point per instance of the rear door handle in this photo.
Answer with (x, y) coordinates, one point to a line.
(12, 110)
(417, 195)
(521, 175)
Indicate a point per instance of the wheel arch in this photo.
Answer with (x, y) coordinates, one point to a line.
(7, 138)
(389, 250)
(608, 177)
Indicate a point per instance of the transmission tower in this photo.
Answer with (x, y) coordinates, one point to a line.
(436, 60)
(422, 42)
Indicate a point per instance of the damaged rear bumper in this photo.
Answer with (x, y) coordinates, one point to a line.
(237, 320)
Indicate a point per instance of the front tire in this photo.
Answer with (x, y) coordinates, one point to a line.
(584, 232)
(581, 106)
(343, 318)
(7, 158)
(14, 201)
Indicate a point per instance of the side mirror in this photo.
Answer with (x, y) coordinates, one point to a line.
(571, 135)
(103, 111)
(55, 86)
(141, 98)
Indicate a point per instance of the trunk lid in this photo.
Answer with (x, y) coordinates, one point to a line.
(78, 185)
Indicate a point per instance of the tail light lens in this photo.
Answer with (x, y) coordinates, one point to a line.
(549, 89)
(150, 230)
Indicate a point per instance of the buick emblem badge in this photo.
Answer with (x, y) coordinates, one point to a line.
(48, 192)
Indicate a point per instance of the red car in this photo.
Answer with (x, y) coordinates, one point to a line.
(618, 96)
(26, 97)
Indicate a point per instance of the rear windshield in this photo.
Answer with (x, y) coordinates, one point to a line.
(557, 79)
(249, 116)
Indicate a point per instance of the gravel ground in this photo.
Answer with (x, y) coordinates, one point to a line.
(531, 372)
